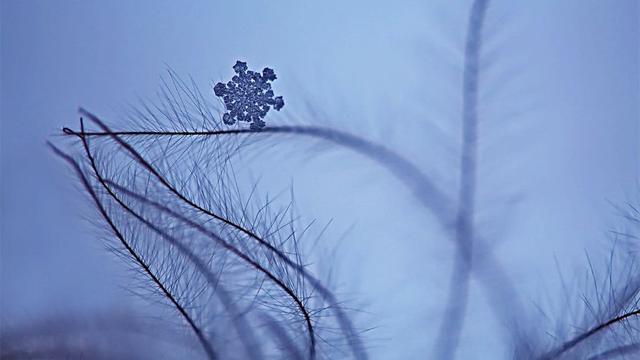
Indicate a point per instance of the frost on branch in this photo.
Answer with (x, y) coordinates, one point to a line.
(248, 96)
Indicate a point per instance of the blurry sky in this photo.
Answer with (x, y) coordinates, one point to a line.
(559, 136)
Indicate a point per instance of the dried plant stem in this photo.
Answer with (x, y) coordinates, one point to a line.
(353, 338)
(448, 338)
(563, 348)
(235, 251)
(244, 331)
(141, 263)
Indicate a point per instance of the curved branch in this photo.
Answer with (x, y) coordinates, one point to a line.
(242, 327)
(584, 336)
(226, 245)
(488, 271)
(145, 267)
(343, 320)
(404, 170)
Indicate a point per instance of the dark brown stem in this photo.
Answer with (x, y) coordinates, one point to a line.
(226, 245)
(199, 334)
(343, 320)
(242, 327)
(584, 336)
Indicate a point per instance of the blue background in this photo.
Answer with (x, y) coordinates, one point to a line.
(559, 138)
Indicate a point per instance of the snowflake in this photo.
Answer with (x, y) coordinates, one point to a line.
(248, 96)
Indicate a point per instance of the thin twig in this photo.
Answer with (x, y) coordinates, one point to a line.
(199, 334)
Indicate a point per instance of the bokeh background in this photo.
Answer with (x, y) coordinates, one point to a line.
(559, 140)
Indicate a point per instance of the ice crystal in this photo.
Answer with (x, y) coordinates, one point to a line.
(248, 96)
